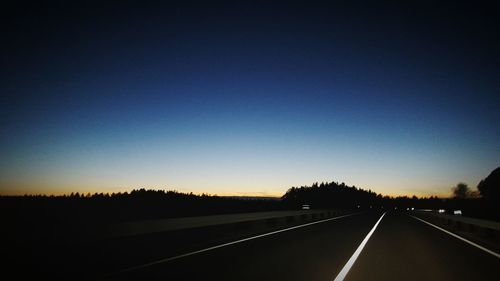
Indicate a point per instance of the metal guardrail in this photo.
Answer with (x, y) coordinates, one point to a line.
(484, 230)
(164, 225)
(463, 219)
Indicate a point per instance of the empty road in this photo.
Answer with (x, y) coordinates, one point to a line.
(355, 247)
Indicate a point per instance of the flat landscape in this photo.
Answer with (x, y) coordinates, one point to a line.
(263, 140)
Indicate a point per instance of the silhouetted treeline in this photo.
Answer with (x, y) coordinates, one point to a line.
(137, 205)
(342, 196)
(330, 195)
(151, 204)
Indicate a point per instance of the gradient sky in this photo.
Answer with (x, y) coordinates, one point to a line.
(248, 99)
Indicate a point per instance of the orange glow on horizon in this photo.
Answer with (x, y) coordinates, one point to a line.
(28, 189)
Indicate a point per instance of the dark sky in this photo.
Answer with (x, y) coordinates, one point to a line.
(248, 98)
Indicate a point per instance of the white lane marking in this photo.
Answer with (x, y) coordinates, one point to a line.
(228, 244)
(461, 238)
(343, 273)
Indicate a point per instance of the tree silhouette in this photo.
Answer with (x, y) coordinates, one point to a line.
(330, 195)
(141, 204)
(461, 191)
(490, 186)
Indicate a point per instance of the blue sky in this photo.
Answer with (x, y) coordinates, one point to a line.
(247, 100)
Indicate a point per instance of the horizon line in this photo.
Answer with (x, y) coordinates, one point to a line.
(237, 194)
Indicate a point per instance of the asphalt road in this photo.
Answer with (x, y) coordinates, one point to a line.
(400, 248)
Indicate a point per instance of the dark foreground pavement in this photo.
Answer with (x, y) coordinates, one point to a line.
(401, 248)
(404, 248)
(315, 252)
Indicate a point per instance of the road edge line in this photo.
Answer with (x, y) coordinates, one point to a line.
(343, 273)
(460, 237)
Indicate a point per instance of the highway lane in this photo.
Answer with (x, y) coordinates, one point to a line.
(403, 248)
(400, 248)
(315, 252)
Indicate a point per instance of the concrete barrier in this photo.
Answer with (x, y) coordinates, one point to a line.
(483, 231)
(232, 221)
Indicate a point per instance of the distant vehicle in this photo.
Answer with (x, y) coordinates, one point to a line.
(306, 207)
(441, 211)
(457, 212)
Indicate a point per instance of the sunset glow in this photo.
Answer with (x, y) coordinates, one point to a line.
(245, 102)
